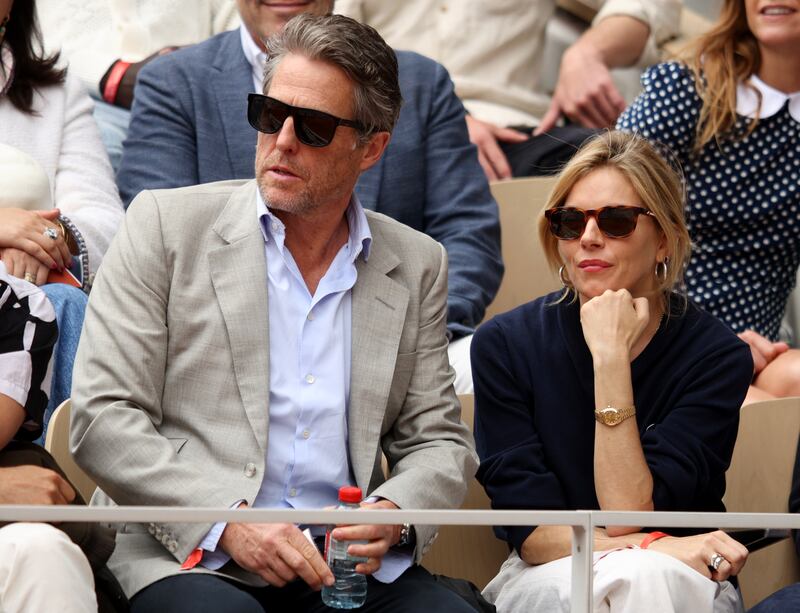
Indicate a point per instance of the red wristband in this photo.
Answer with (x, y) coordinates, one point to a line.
(650, 538)
(114, 79)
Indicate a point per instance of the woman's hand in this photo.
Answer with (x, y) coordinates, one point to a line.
(25, 231)
(763, 350)
(22, 265)
(613, 322)
(697, 551)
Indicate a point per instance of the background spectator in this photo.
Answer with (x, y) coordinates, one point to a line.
(494, 53)
(106, 43)
(730, 115)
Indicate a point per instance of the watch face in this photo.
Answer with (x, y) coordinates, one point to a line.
(611, 416)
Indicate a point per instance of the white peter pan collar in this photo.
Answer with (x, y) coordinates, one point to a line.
(772, 100)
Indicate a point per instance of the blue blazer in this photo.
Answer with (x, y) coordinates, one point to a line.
(189, 125)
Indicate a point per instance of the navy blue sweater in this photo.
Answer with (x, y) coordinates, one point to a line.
(534, 409)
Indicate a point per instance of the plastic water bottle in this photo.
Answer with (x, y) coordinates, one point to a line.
(350, 588)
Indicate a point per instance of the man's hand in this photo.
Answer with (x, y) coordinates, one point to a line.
(278, 553)
(764, 351)
(380, 538)
(484, 136)
(585, 92)
(33, 485)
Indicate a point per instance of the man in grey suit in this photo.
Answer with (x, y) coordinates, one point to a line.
(189, 125)
(261, 343)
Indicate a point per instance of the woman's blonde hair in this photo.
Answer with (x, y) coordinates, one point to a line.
(658, 186)
(723, 57)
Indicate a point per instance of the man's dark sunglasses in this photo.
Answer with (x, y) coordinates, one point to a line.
(312, 128)
(613, 221)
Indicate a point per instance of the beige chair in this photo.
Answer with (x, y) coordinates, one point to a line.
(57, 443)
(468, 552)
(527, 274)
(759, 481)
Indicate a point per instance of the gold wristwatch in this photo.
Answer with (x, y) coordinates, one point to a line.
(613, 416)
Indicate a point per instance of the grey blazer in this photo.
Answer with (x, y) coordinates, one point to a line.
(171, 380)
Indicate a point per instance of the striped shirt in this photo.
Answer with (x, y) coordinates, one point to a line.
(28, 332)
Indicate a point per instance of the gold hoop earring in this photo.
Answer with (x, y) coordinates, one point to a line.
(662, 270)
(564, 278)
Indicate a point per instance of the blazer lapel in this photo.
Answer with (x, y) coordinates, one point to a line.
(379, 312)
(239, 276)
(231, 81)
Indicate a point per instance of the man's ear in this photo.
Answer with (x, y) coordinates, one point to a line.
(374, 149)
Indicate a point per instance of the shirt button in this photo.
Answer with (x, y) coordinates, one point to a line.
(311, 316)
(292, 493)
(250, 470)
(306, 433)
(310, 378)
(274, 226)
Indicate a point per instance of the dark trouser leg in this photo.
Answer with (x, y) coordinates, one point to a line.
(414, 591)
(195, 593)
(787, 599)
(547, 153)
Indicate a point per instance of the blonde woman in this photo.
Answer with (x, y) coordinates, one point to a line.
(616, 394)
(730, 113)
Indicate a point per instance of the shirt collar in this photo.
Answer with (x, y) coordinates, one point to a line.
(359, 240)
(772, 100)
(254, 55)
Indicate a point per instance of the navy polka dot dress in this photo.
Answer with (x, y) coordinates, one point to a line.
(743, 201)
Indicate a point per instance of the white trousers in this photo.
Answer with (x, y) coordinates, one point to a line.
(458, 354)
(625, 581)
(42, 570)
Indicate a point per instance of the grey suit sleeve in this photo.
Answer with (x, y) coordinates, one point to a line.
(118, 382)
(460, 211)
(430, 452)
(160, 150)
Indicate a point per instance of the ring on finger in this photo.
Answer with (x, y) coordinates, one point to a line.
(51, 232)
(30, 277)
(717, 560)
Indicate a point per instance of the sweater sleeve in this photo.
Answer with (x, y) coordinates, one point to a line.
(667, 110)
(84, 182)
(688, 449)
(513, 468)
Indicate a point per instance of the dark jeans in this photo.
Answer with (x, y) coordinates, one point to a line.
(547, 153)
(782, 601)
(416, 590)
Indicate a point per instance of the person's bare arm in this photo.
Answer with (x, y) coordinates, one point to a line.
(585, 92)
(548, 543)
(12, 415)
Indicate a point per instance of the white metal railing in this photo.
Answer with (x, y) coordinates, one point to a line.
(581, 522)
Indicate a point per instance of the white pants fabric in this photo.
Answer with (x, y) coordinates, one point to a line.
(41, 569)
(458, 354)
(625, 581)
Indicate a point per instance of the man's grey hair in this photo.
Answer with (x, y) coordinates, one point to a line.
(356, 49)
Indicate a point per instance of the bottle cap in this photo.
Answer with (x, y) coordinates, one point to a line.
(350, 494)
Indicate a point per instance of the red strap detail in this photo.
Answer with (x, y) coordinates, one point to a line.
(113, 81)
(650, 538)
(193, 559)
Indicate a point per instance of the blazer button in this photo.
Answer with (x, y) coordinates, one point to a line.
(250, 470)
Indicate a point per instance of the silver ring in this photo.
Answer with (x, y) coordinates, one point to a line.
(51, 232)
(717, 560)
(30, 277)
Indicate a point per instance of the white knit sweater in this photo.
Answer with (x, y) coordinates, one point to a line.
(94, 33)
(64, 139)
